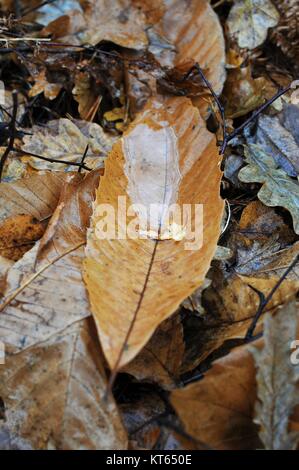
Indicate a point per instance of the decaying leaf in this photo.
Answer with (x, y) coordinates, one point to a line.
(249, 21)
(30, 312)
(279, 137)
(220, 408)
(277, 378)
(243, 93)
(179, 160)
(53, 383)
(36, 196)
(139, 419)
(160, 360)
(54, 395)
(262, 248)
(68, 140)
(278, 188)
(87, 98)
(42, 85)
(18, 234)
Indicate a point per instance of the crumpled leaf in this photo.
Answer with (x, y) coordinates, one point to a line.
(279, 137)
(278, 188)
(92, 21)
(243, 93)
(151, 268)
(67, 140)
(42, 85)
(53, 388)
(249, 21)
(87, 98)
(277, 378)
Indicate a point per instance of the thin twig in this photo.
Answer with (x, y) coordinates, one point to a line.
(12, 132)
(265, 300)
(254, 115)
(37, 7)
(83, 158)
(214, 95)
(53, 160)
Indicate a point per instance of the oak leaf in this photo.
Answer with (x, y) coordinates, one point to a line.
(278, 188)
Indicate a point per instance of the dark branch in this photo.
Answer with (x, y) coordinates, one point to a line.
(12, 132)
(265, 300)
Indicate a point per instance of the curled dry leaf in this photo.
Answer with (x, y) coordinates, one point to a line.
(179, 161)
(250, 20)
(67, 140)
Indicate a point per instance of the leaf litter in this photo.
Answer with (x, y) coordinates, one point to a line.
(140, 343)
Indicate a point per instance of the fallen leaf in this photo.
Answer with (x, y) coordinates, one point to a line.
(31, 281)
(18, 234)
(36, 196)
(262, 249)
(139, 419)
(54, 395)
(279, 137)
(148, 269)
(187, 24)
(249, 21)
(67, 140)
(242, 92)
(276, 380)
(278, 188)
(42, 85)
(226, 420)
(218, 410)
(54, 387)
(160, 359)
(87, 98)
(100, 20)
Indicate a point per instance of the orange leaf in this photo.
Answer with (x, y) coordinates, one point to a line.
(167, 155)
